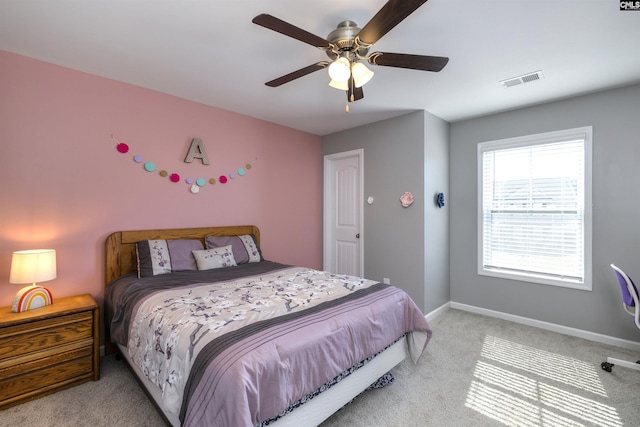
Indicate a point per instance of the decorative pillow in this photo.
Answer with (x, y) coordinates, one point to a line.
(245, 249)
(164, 256)
(209, 259)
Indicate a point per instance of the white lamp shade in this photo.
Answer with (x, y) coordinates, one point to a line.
(339, 85)
(33, 266)
(361, 74)
(340, 70)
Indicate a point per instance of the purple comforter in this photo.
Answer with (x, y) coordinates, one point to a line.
(254, 345)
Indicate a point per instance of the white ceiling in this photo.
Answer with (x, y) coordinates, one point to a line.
(209, 51)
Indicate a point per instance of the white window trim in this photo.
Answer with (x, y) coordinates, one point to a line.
(585, 133)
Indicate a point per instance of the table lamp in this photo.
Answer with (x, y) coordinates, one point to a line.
(36, 265)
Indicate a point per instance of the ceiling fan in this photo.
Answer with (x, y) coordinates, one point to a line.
(348, 45)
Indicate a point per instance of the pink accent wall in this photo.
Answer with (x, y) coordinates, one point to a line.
(63, 184)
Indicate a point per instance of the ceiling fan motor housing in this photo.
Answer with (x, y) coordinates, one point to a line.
(343, 37)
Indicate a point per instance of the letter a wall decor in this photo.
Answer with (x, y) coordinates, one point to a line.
(197, 151)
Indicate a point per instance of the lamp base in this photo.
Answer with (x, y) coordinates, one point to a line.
(31, 297)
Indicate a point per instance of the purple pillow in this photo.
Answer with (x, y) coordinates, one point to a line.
(181, 256)
(245, 248)
(164, 256)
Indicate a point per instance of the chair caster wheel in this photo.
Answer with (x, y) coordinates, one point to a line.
(606, 366)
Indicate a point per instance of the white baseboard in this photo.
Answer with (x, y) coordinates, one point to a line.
(437, 312)
(591, 336)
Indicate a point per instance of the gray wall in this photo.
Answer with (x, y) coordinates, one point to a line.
(395, 157)
(436, 230)
(615, 117)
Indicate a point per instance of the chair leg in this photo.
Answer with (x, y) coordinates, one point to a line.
(611, 362)
(606, 366)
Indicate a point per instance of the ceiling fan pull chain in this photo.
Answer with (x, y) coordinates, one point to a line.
(352, 89)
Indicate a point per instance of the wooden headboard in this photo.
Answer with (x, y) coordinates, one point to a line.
(120, 247)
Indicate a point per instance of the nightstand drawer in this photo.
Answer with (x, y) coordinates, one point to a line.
(23, 340)
(38, 376)
(48, 349)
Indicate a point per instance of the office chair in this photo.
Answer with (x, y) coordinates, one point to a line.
(632, 306)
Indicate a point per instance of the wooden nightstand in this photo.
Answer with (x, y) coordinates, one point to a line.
(48, 349)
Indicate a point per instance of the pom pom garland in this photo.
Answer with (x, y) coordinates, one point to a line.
(194, 185)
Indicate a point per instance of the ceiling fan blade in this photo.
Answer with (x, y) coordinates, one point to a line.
(297, 74)
(354, 93)
(282, 27)
(414, 62)
(391, 14)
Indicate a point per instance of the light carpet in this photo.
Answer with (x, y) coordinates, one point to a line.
(477, 371)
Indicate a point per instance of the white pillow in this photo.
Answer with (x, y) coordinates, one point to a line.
(209, 259)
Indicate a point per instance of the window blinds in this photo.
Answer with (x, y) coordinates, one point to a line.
(533, 210)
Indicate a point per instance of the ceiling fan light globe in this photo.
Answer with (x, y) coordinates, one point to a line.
(340, 70)
(361, 74)
(339, 85)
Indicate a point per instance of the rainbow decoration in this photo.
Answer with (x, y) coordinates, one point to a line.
(31, 297)
(194, 184)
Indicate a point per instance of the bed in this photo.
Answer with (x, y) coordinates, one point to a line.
(222, 336)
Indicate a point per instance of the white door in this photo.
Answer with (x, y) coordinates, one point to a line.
(343, 213)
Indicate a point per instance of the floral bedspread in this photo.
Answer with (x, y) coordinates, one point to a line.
(171, 327)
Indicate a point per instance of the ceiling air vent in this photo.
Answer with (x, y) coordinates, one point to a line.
(526, 78)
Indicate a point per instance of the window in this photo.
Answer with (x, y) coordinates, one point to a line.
(534, 208)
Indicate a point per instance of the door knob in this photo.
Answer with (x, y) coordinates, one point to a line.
(358, 236)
